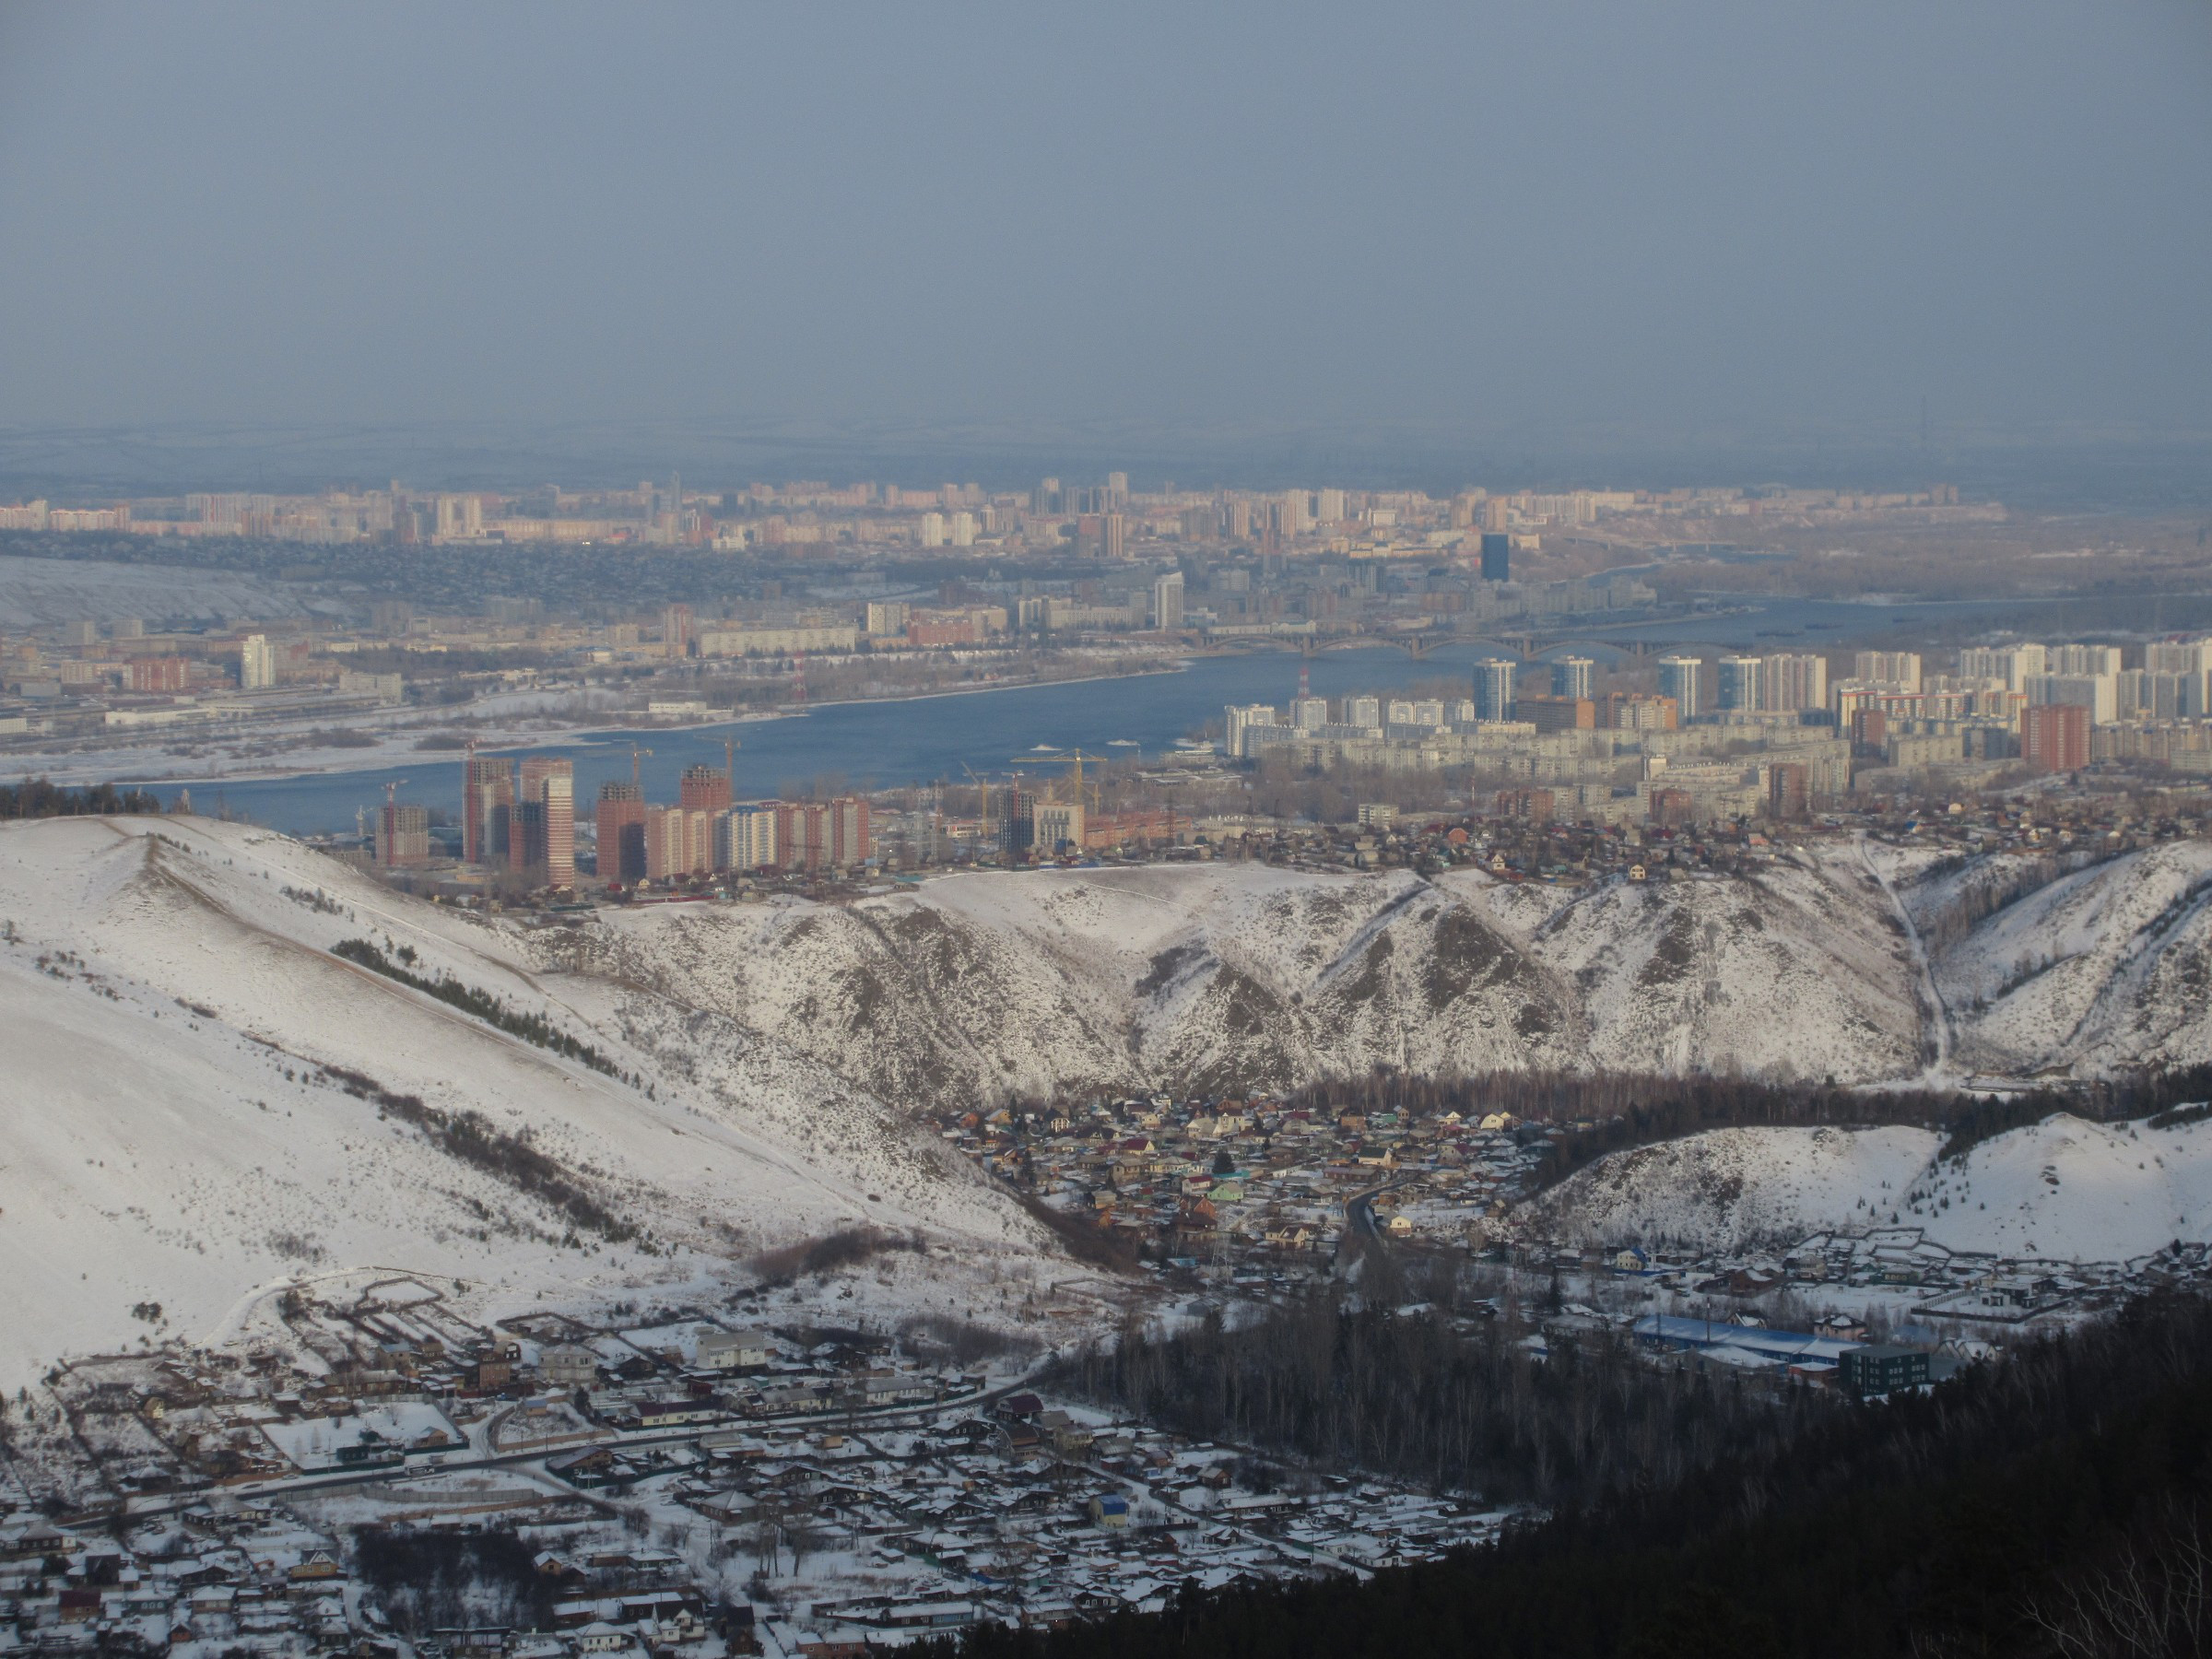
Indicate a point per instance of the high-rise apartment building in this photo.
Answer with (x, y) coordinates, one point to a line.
(676, 630)
(704, 788)
(2178, 656)
(2010, 666)
(160, 674)
(746, 837)
(2098, 693)
(1682, 679)
(1239, 723)
(1792, 681)
(1556, 714)
(1787, 796)
(1309, 713)
(621, 826)
(1637, 712)
(1329, 506)
(402, 836)
(1167, 601)
(487, 795)
(679, 844)
(256, 663)
(1735, 684)
(932, 529)
(1113, 536)
(824, 835)
(547, 802)
(2154, 694)
(1896, 668)
(1365, 712)
(458, 518)
(1497, 556)
(1572, 677)
(1494, 688)
(2085, 659)
(2055, 736)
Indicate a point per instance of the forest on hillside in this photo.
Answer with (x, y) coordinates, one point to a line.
(1459, 1402)
(1601, 1112)
(2052, 1504)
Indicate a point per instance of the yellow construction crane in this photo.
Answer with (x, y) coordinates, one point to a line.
(982, 813)
(636, 754)
(1073, 758)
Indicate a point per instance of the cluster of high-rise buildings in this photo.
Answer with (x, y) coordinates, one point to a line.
(1722, 736)
(520, 816)
(706, 832)
(1106, 520)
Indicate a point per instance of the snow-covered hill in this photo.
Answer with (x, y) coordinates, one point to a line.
(2060, 1189)
(1245, 976)
(2103, 968)
(1830, 962)
(200, 1100)
(197, 1101)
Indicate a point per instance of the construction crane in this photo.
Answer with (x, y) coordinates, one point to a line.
(982, 813)
(1073, 758)
(636, 755)
(798, 677)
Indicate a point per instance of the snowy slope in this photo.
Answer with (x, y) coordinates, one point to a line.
(2060, 1189)
(1238, 976)
(2106, 968)
(170, 1133)
(1731, 1188)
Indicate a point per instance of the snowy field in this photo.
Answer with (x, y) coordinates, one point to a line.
(43, 593)
(2063, 1190)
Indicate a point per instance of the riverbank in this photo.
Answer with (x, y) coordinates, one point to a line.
(155, 766)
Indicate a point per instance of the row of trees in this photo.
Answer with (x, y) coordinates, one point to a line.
(41, 799)
(1624, 1110)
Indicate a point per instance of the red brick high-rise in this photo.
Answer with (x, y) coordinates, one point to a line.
(704, 789)
(621, 820)
(2056, 736)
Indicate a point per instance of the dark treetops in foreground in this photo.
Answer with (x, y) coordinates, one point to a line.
(2052, 1504)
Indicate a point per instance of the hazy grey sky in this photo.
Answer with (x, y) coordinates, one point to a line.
(1465, 214)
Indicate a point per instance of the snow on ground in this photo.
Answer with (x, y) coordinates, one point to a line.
(2068, 1190)
(2060, 1189)
(39, 593)
(2104, 968)
(277, 748)
(1729, 1189)
(1243, 976)
(169, 1005)
(168, 1133)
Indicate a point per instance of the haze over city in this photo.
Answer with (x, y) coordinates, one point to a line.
(1716, 228)
(1016, 832)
